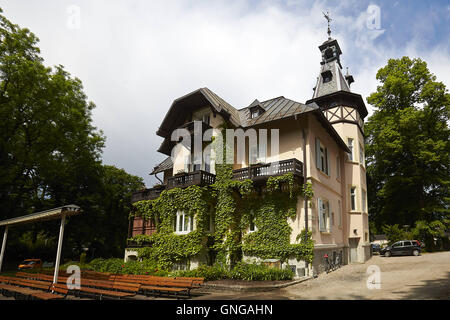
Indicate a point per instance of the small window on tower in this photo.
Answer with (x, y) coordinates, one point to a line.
(328, 53)
(327, 76)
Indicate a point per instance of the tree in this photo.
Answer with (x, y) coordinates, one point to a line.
(50, 154)
(49, 149)
(408, 148)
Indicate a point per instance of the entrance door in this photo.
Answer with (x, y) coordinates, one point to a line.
(353, 244)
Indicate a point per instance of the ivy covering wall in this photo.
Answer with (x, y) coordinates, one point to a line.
(233, 205)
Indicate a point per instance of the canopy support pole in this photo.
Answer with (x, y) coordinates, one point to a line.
(2, 254)
(58, 252)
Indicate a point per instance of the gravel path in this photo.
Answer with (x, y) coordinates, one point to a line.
(423, 277)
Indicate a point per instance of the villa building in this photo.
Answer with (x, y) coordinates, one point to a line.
(321, 142)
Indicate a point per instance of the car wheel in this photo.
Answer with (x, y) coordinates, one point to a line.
(415, 253)
(387, 254)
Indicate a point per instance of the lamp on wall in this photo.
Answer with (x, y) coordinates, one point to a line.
(355, 231)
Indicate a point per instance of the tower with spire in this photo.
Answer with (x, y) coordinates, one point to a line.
(346, 111)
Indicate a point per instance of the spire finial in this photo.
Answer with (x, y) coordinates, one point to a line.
(327, 16)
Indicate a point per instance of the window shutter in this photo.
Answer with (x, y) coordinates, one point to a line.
(330, 217)
(318, 162)
(327, 158)
(320, 214)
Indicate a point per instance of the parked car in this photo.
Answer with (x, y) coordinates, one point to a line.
(402, 248)
(30, 264)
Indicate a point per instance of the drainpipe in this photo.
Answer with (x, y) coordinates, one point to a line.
(304, 179)
(156, 176)
(305, 175)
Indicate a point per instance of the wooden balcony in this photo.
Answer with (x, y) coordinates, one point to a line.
(147, 194)
(200, 178)
(263, 171)
(134, 244)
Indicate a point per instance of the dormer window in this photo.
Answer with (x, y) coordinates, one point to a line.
(327, 76)
(255, 112)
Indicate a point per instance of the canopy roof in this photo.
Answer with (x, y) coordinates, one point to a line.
(55, 213)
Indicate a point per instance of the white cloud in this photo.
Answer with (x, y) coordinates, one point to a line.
(135, 58)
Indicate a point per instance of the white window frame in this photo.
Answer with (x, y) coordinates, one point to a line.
(322, 158)
(325, 219)
(361, 154)
(180, 223)
(350, 146)
(353, 198)
(363, 200)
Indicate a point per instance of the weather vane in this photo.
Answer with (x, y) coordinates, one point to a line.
(327, 16)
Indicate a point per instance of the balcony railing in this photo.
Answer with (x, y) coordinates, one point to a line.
(147, 194)
(200, 177)
(134, 244)
(263, 171)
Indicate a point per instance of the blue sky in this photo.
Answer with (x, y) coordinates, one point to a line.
(135, 57)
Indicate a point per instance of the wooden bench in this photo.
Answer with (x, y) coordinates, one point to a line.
(196, 282)
(25, 287)
(168, 286)
(16, 291)
(100, 289)
(123, 278)
(57, 291)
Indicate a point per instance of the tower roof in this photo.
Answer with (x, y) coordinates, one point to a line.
(332, 86)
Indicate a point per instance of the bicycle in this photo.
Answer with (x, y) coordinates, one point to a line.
(338, 261)
(329, 264)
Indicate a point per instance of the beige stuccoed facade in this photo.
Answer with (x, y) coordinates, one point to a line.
(325, 134)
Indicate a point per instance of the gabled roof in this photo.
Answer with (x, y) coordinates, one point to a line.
(165, 165)
(183, 105)
(275, 109)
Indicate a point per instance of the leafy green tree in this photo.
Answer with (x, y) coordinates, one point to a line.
(50, 154)
(117, 187)
(394, 233)
(408, 148)
(49, 150)
(426, 232)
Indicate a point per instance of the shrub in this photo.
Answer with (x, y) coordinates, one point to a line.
(251, 272)
(116, 265)
(241, 271)
(209, 273)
